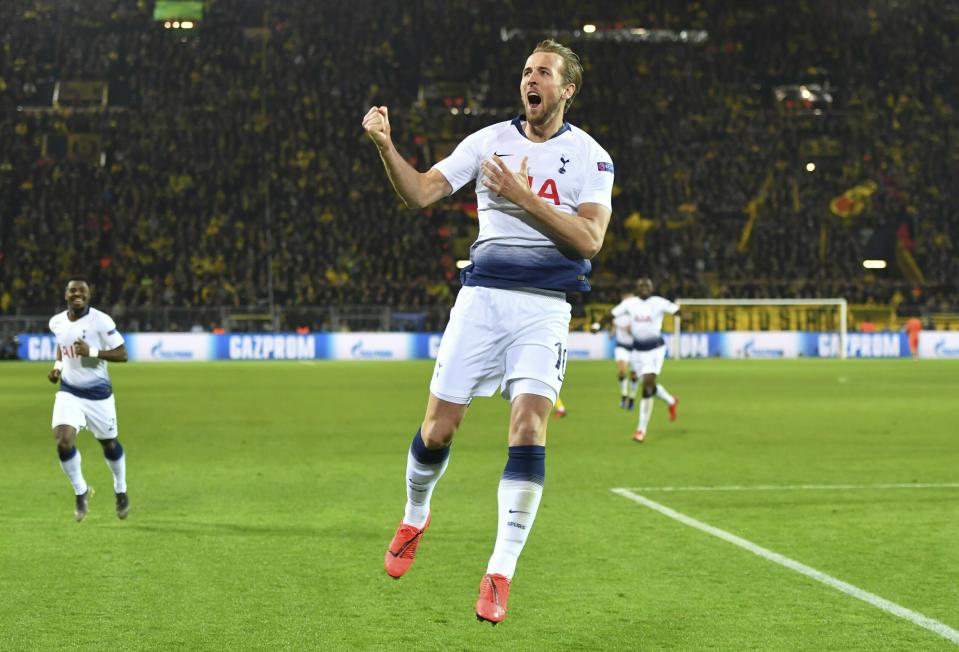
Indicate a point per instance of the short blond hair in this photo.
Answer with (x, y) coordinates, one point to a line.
(572, 67)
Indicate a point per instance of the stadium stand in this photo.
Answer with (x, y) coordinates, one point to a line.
(226, 166)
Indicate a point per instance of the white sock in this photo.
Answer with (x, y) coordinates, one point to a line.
(662, 394)
(645, 412)
(421, 478)
(623, 385)
(633, 385)
(72, 468)
(518, 503)
(119, 469)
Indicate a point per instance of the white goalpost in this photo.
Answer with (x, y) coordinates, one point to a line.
(838, 303)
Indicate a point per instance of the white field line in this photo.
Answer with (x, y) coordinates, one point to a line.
(914, 617)
(800, 487)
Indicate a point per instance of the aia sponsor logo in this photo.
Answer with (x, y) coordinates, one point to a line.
(547, 190)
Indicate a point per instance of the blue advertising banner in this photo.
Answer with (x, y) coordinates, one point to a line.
(693, 345)
(192, 347)
(858, 345)
(36, 347)
(425, 345)
(271, 346)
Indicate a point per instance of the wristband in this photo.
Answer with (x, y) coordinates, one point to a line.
(58, 365)
(94, 352)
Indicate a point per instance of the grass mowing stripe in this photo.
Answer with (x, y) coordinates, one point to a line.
(931, 624)
(796, 487)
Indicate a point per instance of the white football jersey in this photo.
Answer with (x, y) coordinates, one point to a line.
(566, 171)
(83, 376)
(646, 319)
(621, 330)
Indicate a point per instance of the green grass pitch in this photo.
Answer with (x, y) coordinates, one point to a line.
(264, 494)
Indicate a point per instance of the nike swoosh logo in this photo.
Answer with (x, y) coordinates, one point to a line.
(500, 155)
(517, 511)
(406, 545)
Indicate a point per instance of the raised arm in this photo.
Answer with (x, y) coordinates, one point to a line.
(584, 236)
(416, 189)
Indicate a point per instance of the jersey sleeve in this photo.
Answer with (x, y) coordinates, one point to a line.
(462, 166)
(598, 187)
(619, 309)
(670, 307)
(110, 337)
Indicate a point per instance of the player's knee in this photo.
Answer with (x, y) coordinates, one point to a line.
(649, 392)
(527, 428)
(65, 437)
(111, 448)
(621, 376)
(530, 432)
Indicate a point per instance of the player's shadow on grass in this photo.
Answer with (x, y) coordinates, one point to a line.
(232, 529)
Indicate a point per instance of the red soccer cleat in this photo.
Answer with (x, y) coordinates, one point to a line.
(494, 592)
(399, 556)
(560, 413)
(639, 436)
(672, 409)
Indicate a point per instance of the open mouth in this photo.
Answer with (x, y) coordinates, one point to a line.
(534, 99)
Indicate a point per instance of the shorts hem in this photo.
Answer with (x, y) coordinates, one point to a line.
(532, 386)
(449, 398)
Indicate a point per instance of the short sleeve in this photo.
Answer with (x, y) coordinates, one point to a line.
(670, 307)
(598, 186)
(110, 337)
(462, 166)
(619, 309)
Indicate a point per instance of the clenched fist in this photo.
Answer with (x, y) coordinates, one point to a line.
(376, 122)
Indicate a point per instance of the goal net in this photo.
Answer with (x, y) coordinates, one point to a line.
(759, 317)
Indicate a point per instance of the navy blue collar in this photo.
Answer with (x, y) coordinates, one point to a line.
(86, 311)
(518, 123)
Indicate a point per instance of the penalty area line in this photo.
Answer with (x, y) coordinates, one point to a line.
(914, 617)
(800, 487)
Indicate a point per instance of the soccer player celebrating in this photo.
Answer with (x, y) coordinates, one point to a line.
(646, 313)
(544, 195)
(87, 340)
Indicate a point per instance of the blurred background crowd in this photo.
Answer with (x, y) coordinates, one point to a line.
(765, 150)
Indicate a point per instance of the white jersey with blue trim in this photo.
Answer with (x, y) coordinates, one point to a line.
(621, 332)
(646, 319)
(566, 171)
(84, 376)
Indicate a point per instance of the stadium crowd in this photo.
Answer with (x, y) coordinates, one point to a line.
(230, 158)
